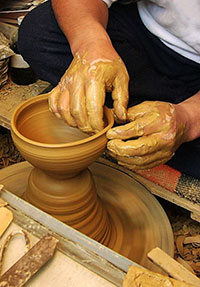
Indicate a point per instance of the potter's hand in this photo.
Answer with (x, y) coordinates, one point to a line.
(155, 131)
(79, 98)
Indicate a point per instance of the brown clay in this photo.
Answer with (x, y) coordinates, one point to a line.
(60, 184)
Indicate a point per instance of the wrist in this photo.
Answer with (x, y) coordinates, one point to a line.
(190, 116)
(94, 47)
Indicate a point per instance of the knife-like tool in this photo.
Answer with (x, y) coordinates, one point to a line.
(30, 263)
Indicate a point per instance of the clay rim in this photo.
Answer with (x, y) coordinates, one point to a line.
(19, 108)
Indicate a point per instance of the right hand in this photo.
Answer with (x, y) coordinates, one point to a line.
(155, 131)
(79, 97)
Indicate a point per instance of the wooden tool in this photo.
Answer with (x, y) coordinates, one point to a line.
(138, 276)
(6, 217)
(172, 267)
(30, 263)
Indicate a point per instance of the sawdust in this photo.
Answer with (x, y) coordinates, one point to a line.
(11, 95)
(22, 92)
(8, 153)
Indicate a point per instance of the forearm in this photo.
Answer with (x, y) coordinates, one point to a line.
(83, 22)
(190, 111)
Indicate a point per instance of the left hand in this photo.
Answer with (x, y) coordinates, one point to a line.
(155, 131)
(79, 97)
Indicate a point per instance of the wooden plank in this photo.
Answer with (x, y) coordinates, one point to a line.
(172, 197)
(172, 267)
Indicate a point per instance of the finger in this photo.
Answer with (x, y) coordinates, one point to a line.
(140, 161)
(120, 96)
(148, 166)
(145, 125)
(64, 107)
(78, 108)
(123, 132)
(141, 110)
(95, 98)
(141, 146)
(53, 96)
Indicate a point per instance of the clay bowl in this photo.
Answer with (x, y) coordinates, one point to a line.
(60, 182)
(48, 143)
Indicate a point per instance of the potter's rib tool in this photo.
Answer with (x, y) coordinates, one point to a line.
(30, 263)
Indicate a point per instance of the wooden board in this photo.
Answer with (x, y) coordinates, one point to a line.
(172, 197)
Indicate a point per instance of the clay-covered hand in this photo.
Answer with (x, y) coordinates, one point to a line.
(155, 131)
(79, 98)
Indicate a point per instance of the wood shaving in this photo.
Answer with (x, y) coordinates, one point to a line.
(188, 252)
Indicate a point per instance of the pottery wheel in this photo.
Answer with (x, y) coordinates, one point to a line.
(139, 223)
